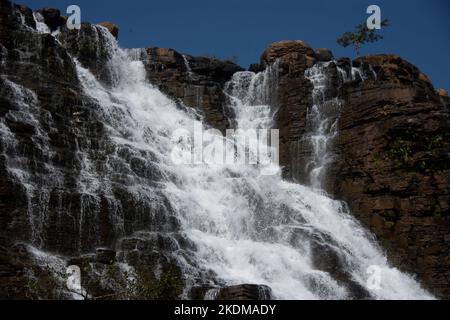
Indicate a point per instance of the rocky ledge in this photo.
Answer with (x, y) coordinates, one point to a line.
(196, 82)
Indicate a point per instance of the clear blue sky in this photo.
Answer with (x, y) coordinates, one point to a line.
(419, 31)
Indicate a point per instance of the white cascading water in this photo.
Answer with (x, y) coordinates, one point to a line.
(40, 24)
(322, 120)
(323, 117)
(247, 227)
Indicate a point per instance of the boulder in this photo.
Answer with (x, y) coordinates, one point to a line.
(442, 92)
(287, 50)
(324, 54)
(105, 256)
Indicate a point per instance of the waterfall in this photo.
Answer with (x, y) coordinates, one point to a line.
(137, 54)
(323, 116)
(41, 27)
(244, 227)
(342, 74)
(322, 120)
(247, 228)
(27, 112)
(187, 66)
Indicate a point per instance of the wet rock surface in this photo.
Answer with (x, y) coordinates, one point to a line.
(44, 152)
(391, 153)
(244, 292)
(392, 166)
(196, 82)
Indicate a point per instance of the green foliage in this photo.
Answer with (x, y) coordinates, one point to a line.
(400, 149)
(420, 152)
(436, 141)
(361, 36)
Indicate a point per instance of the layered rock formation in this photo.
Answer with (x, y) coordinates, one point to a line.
(391, 152)
(45, 153)
(196, 82)
(393, 166)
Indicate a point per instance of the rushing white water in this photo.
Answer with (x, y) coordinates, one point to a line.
(323, 116)
(137, 54)
(27, 111)
(342, 74)
(322, 121)
(187, 66)
(248, 228)
(356, 72)
(41, 27)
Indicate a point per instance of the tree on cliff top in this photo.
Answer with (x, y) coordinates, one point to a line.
(361, 36)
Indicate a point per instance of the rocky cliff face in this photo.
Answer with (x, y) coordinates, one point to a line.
(391, 153)
(196, 82)
(48, 191)
(391, 160)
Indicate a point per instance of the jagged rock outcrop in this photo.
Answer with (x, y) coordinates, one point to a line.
(197, 82)
(324, 54)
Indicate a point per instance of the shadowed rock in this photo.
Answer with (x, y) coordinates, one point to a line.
(52, 18)
(324, 54)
